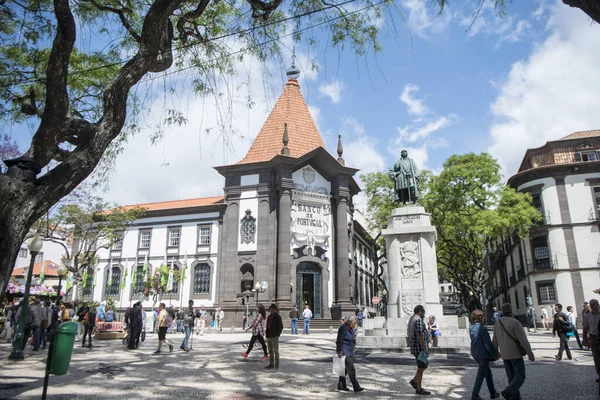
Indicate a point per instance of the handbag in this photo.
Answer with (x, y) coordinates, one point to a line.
(143, 336)
(423, 357)
(339, 365)
(519, 347)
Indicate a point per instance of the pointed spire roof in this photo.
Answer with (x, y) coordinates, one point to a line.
(303, 136)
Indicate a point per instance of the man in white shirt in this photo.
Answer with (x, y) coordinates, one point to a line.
(307, 315)
(545, 318)
(573, 320)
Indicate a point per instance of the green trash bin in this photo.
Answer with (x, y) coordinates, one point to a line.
(64, 339)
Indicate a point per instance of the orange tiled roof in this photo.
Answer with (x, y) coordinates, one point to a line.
(303, 134)
(50, 270)
(174, 204)
(582, 134)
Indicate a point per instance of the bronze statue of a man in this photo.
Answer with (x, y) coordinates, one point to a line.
(406, 178)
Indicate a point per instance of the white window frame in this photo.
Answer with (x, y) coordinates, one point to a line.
(545, 290)
(23, 253)
(173, 240)
(201, 236)
(142, 233)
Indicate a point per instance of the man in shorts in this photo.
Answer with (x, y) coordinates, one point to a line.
(417, 334)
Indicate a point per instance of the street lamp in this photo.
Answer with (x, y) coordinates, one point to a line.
(35, 245)
(62, 271)
(260, 287)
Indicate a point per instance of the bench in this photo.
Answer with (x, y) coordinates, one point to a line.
(109, 330)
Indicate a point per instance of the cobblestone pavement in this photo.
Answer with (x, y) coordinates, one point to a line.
(214, 369)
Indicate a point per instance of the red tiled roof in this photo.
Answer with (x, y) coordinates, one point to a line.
(582, 134)
(174, 204)
(303, 134)
(50, 270)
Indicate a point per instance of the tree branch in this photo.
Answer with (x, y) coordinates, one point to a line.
(184, 34)
(263, 9)
(43, 146)
(121, 14)
(590, 7)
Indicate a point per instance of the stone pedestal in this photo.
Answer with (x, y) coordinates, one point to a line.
(413, 280)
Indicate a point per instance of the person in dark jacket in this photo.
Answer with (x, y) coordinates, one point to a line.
(89, 323)
(135, 321)
(344, 346)
(560, 326)
(274, 329)
(483, 352)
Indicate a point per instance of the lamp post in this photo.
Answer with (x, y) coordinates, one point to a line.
(62, 271)
(35, 245)
(260, 287)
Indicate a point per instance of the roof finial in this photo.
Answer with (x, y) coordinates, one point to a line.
(286, 139)
(340, 150)
(293, 72)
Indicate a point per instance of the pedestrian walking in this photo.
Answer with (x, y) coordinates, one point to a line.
(188, 323)
(80, 314)
(161, 323)
(101, 310)
(135, 325)
(274, 329)
(89, 322)
(39, 313)
(258, 332)
(510, 338)
(531, 319)
(44, 327)
(591, 319)
(419, 347)
(294, 315)
(220, 317)
(201, 320)
(345, 344)
(496, 315)
(482, 351)
(573, 321)
(433, 330)
(306, 315)
(545, 319)
(560, 327)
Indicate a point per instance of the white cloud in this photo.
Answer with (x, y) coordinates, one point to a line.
(181, 165)
(333, 90)
(552, 93)
(411, 134)
(423, 17)
(414, 106)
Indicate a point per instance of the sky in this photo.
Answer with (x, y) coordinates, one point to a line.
(442, 85)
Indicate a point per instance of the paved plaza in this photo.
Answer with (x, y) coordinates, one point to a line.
(214, 369)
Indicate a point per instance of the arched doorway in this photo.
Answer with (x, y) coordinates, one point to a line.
(309, 288)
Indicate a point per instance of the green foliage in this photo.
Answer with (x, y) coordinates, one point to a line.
(470, 206)
(90, 224)
(379, 190)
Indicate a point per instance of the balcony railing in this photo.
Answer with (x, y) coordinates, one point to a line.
(545, 264)
(520, 273)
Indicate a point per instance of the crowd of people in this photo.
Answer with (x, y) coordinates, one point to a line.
(509, 341)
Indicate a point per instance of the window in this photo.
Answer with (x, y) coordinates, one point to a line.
(174, 234)
(586, 156)
(118, 245)
(113, 282)
(175, 290)
(546, 292)
(517, 299)
(138, 287)
(23, 253)
(204, 235)
(145, 239)
(201, 279)
(596, 198)
(39, 257)
(88, 288)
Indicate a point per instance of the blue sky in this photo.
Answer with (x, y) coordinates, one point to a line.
(436, 89)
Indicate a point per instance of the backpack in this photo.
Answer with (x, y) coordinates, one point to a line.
(169, 321)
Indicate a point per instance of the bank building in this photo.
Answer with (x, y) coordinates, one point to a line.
(285, 218)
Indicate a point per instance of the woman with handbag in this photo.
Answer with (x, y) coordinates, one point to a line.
(344, 346)
(483, 352)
